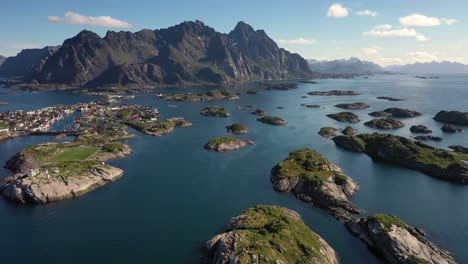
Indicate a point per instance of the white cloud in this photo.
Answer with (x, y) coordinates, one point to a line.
(402, 32)
(337, 10)
(419, 20)
(299, 41)
(99, 21)
(371, 51)
(384, 26)
(367, 12)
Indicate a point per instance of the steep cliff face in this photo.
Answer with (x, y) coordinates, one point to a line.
(26, 62)
(268, 60)
(188, 53)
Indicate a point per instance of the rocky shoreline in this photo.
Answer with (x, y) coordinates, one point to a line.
(37, 182)
(317, 181)
(439, 163)
(397, 242)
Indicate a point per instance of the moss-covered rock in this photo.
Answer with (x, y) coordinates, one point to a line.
(269, 234)
(273, 120)
(314, 179)
(353, 106)
(328, 132)
(223, 144)
(237, 128)
(349, 131)
(215, 111)
(345, 117)
(396, 241)
(440, 163)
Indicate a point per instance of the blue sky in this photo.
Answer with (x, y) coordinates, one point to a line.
(387, 32)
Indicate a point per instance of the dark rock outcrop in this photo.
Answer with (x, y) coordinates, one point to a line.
(328, 132)
(448, 128)
(389, 98)
(415, 155)
(426, 138)
(353, 106)
(459, 148)
(452, 117)
(385, 123)
(396, 112)
(333, 92)
(420, 129)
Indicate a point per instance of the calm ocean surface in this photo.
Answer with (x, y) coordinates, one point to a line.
(174, 195)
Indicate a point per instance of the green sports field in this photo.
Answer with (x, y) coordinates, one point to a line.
(75, 154)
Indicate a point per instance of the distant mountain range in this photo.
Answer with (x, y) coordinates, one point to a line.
(430, 67)
(2, 59)
(188, 53)
(352, 66)
(27, 61)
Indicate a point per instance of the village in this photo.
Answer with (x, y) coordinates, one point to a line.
(92, 118)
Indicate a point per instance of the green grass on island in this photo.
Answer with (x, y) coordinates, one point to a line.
(387, 220)
(75, 154)
(223, 140)
(308, 165)
(271, 231)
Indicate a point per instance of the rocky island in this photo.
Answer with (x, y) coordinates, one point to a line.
(345, 117)
(328, 132)
(333, 92)
(315, 180)
(311, 105)
(448, 128)
(258, 112)
(51, 172)
(208, 96)
(280, 86)
(224, 144)
(214, 111)
(273, 120)
(353, 106)
(395, 112)
(439, 163)
(269, 234)
(452, 117)
(396, 241)
(385, 123)
(349, 131)
(420, 129)
(389, 98)
(237, 128)
(428, 137)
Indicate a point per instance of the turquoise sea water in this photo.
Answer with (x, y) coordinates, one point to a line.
(175, 195)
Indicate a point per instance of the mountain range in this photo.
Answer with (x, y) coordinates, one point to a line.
(2, 59)
(430, 67)
(188, 53)
(352, 66)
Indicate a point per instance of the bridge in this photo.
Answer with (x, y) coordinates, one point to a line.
(69, 133)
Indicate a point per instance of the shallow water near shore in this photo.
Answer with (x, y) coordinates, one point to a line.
(174, 195)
